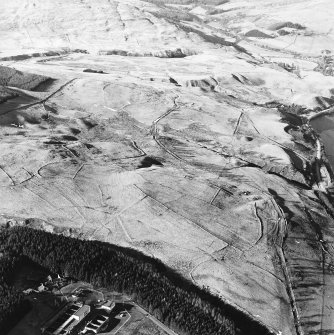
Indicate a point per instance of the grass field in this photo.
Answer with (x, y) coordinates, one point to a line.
(228, 197)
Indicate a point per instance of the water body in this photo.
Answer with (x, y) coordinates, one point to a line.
(324, 126)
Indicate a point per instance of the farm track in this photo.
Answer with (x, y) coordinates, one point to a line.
(9, 177)
(282, 224)
(324, 266)
(238, 123)
(260, 222)
(279, 245)
(281, 233)
(281, 230)
(78, 171)
(215, 196)
(155, 132)
(142, 152)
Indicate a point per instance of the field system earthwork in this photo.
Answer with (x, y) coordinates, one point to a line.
(179, 129)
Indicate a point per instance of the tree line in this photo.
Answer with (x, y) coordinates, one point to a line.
(12, 303)
(175, 301)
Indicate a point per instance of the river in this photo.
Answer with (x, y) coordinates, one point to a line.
(324, 126)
